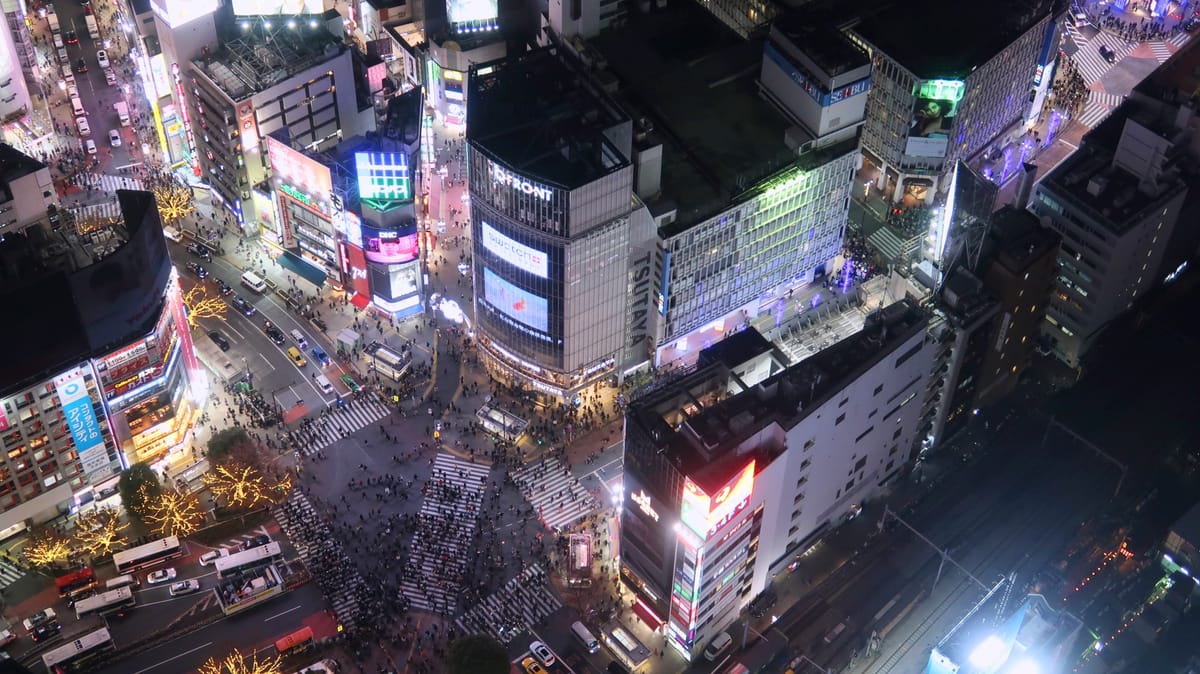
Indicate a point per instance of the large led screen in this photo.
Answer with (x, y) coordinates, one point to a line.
(389, 247)
(383, 176)
(933, 117)
(272, 7)
(517, 304)
(514, 252)
(297, 170)
(467, 11)
(705, 514)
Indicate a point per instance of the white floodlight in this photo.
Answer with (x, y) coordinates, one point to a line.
(989, 655)
(1026, 666)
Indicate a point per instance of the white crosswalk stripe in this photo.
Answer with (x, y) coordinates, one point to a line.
(110, 183)
(312, 539)
(442, 545)
(320, 432)
(1179, 39)
(1076, 36)
(1111, 100)
(1093, 113)
(1160, 50)
(558, 497)
(10, 573)
(101, 210)
(523, 602)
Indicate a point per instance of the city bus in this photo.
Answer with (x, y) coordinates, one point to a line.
(107, 603)
(248, 560)
(295, 643)
(76, 582)
(386, 362)
(78, 655)
(148, 554)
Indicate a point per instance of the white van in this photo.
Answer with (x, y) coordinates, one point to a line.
(585, 637)
(300, 340)
(254, 282)
(120, 581)
(324, 384)
(77, 106)
(717, 646)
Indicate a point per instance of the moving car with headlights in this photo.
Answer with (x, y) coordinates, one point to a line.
(243, 306)
(114, 138)
(161, 576)
(296, 356)
(210, 557)
(222, 344)
(184, 587)
(102, 58)
(43, 616)
(542, 652)
(320, 356)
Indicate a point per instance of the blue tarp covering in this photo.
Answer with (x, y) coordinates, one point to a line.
(298, 265)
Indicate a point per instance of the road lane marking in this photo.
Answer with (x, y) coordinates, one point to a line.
(175, 657)
(297, 607)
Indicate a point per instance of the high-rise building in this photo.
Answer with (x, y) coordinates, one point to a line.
(17, 59)
(101, 372)
(744, 152)
(734, 470)
(550, 182)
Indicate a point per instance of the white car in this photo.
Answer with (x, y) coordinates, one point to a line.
(542, 652)
(44, 616)
(208, 557)
(161, 576)
(72, 91)
(114, 138)
(110, 77)
(184, 587)
(102, 58)
(82, 123)
(90, 145)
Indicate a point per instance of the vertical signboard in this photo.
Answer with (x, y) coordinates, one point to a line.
(248, 125)
(357, 266)
(81, 420)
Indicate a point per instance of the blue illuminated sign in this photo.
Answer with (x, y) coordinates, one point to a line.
(816, 91)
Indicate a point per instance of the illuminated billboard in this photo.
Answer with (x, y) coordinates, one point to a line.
(308, 178)
(389, 247)
(933, 117)
(514, 252)
(80, 415)
(519, 305)
(274, 7)
(178, 12)
(383, 176)
(705, 514)
(356, 267)
(471, 11)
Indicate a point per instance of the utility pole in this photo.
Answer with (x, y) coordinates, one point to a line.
(1087, 443)
(943, 552)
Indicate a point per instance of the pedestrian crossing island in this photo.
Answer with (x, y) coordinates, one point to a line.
(554, 492)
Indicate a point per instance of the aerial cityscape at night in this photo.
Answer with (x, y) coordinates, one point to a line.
(600, 337)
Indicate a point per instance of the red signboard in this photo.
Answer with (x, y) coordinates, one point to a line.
(357, 270)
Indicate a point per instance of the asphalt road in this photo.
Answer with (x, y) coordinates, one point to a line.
(257, 628)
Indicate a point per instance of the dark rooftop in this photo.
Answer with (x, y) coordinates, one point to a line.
(1188, 526)
(703, 440)
(821, 42)
(698, 82)
(541, 115)
(736, 349)
(936, 40)
(14, 164)
(1020, 238)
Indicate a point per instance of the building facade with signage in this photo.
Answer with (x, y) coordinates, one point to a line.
(550, 183)
(108, 375)
(732, 472)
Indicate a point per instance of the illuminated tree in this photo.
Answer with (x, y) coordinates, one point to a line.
(46, 546)
(245, 486)
(98, 532)
(237, 663)
(174, 203)
(173, 514)
(138, 487)
(202, 305)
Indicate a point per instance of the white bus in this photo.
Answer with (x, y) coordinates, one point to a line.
(148, 554)
(78, 655)
(106, 603)
(385, 361)
(248, 559)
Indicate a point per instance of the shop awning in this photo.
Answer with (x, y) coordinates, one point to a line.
(298, 265)
(360, 300)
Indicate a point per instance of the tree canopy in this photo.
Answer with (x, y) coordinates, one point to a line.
(138, 487)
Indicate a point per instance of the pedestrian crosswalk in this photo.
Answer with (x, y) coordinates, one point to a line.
(109, 183)
(442, 546)
(1076, 36)
(1179, 39)
(558, 497)
(317, 549)
(523, 602)
(10, 572)
(1092, 66)
(1098, 107)
(319, 432)
(1161, 51)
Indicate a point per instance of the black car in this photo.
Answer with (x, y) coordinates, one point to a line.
(243, 306)
(276, 335)
(70, 37)
(200, 252)
(1108, 54)
(81, 66)
(219, 340)
(196, 269)
(257, 541)
(46, 631)
(225, 288)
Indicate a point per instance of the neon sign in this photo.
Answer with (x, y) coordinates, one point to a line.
(642, 499)
(705, 514)
(502, 176)
(296, 194)
(514, 252)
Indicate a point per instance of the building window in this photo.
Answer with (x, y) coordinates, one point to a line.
(864, 434)
(841, 417)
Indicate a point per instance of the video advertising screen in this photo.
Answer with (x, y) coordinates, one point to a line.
(383, 176)
(389, 247)
(933, 117)
(517, 304)
(514, 252)
(274, 7)
(467, 11)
